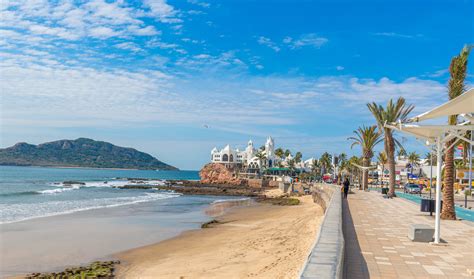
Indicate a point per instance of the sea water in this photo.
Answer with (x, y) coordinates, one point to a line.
(34, 192)
(47, 225)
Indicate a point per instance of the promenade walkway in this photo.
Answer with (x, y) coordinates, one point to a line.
(377, 246)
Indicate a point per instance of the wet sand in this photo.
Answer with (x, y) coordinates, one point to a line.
(259, 241)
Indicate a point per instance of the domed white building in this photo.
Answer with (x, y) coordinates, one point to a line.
(249, 158)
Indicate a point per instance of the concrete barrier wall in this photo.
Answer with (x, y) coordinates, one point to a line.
(257, 183)
(327, 255)
(322, 194)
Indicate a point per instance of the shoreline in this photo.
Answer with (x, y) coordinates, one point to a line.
(259, 240)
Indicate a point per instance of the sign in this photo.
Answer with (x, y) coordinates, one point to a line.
(463, 174)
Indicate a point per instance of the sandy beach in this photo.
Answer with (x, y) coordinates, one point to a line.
(53, 243)
(259, 241)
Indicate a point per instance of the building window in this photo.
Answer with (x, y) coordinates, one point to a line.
(225, 158)
(231, 159)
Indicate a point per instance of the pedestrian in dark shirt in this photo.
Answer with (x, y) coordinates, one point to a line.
(346, 187)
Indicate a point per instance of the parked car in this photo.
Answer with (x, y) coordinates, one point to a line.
(411, 188)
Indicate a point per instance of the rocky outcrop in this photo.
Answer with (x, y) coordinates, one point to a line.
(218, 174)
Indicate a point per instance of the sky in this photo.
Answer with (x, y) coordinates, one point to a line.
(176, 78)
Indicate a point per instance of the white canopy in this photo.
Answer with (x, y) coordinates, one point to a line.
(461, 104)
(429, 132)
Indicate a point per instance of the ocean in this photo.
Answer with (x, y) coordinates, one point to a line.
(33, 192)
(46, 225)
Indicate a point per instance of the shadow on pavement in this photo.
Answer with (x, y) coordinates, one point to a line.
(355, 266)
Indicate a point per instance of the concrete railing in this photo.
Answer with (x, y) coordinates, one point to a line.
(327, 255)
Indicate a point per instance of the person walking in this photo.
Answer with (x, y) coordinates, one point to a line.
(346, 187)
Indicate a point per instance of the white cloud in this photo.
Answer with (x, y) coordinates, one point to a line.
(102, 32)
(53, 31)
(202, 56)
(145, 31)
(269, 43)
(227, 61)
(310, 40)
(199, 3)
(71, 20)
(162, 11)
(129, 46)
(396, 35)
(339, 68)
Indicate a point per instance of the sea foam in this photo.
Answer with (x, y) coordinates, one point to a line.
(10, 213)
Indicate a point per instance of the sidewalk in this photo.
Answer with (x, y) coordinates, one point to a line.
(377, 246)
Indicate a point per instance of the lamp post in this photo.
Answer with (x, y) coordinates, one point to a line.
(431, 170)
(470, 171)
(438, 189)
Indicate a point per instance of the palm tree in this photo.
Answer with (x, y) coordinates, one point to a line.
(414, 159)
(456, 87)
(367, 138)
(260, 156)
(279, 152)
(460, 164)
(342, 158)
(401, 153)
(382, 159)
(291, 165)
(298, 157)
(355, 171)
(428, 158)
(342, 165)
(315, 166)
(393, 112)
(287, 153)
(325, 161)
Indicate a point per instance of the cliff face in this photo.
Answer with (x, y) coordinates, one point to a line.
(218, 174)
(81, 152)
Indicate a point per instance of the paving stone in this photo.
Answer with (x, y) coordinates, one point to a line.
(388, 253)
(433, 270)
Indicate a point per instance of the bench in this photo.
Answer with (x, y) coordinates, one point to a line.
(420, 233)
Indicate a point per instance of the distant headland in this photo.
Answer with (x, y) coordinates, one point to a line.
(80, 153)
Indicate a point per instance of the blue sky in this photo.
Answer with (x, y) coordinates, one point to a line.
(154, 74)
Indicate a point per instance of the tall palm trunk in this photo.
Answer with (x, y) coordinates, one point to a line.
(448, 212)
(365, 174)
(456, 87)
(390, 151)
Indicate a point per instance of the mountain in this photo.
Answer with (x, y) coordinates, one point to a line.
(81, 152)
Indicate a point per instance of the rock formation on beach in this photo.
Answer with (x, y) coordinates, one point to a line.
(81, 152)
(213, 173)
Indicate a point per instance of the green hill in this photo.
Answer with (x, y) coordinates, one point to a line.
(81, 152)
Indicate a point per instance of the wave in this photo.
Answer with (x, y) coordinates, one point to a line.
(20, 212)
(59, 190)
(19, 194)
(113, 183)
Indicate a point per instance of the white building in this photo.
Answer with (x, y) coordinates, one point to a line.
(248, 157)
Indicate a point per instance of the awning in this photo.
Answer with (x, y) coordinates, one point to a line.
(429, 132)
(459, 105)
